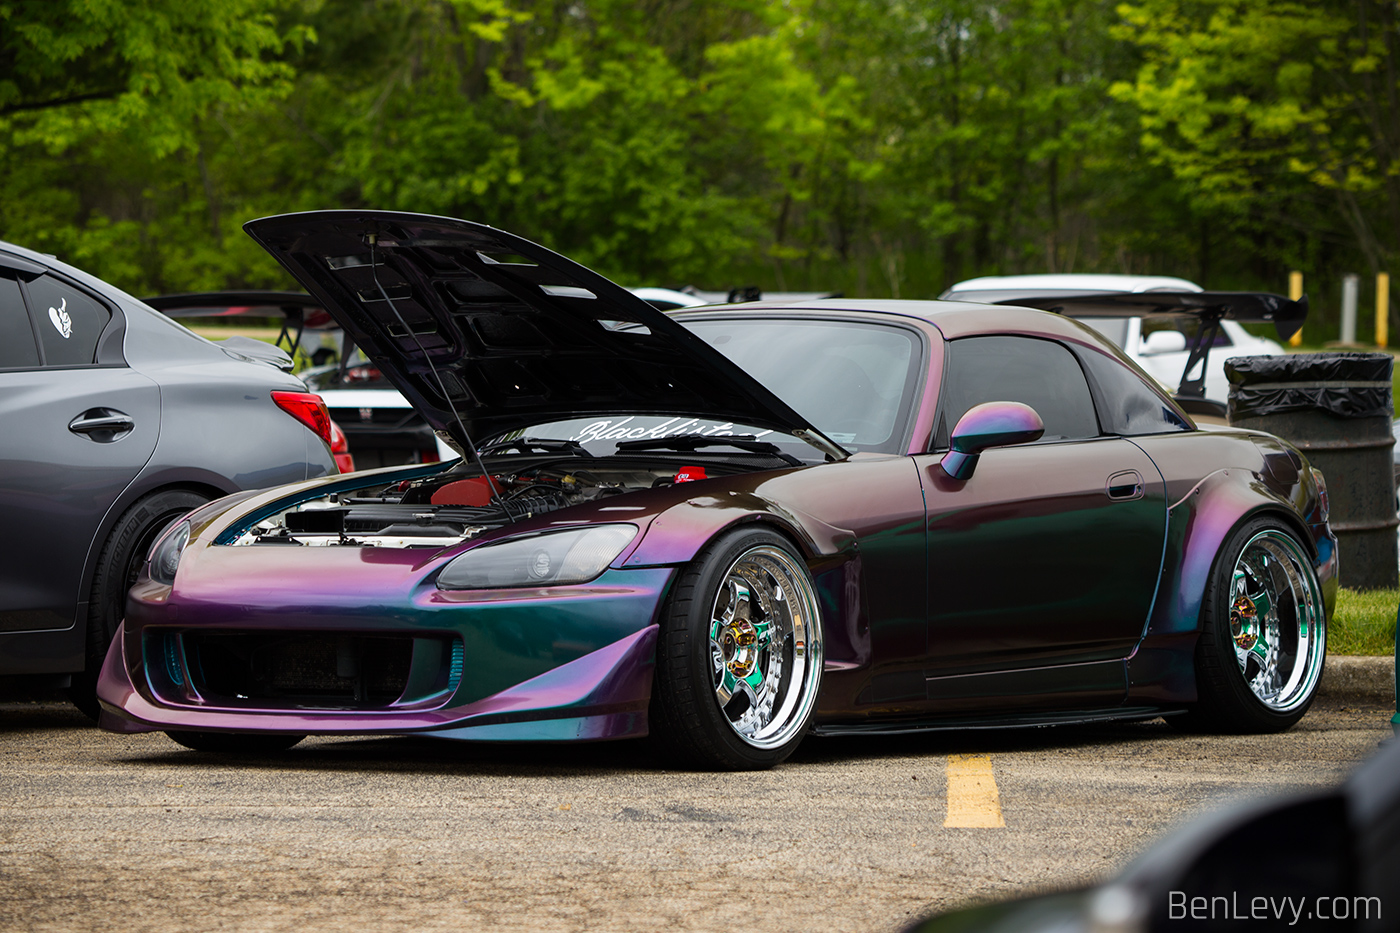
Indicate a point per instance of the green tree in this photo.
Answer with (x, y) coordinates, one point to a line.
(105, 106)
(1281, 119)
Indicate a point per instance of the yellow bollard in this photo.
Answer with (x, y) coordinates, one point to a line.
(1382, 309)
(1295, 291)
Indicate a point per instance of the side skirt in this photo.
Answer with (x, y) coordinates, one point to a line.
(1022, 721)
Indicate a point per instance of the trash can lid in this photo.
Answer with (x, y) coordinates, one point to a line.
(1347, 385)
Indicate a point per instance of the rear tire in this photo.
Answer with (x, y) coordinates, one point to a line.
(236, 743)
(118, 565)
(1263, 635)
(739, 656)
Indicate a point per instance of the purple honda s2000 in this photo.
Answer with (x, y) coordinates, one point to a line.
(728, 527)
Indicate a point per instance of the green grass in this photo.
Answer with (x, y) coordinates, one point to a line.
(1364, 622)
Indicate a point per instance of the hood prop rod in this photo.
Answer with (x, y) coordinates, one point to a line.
(496, 496)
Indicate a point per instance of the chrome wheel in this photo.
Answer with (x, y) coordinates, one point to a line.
(1278, 624)
(765, 647)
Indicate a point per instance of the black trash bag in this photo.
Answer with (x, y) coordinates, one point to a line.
(1345, 385)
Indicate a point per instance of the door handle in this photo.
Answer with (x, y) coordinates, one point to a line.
(1125, 485)
(103, 425)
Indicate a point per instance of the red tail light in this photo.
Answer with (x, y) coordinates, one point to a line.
(307, 408)
(340, 449)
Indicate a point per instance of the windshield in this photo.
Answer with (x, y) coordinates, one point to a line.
(855, 381)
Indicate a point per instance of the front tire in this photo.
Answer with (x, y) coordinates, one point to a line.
(1263, 635)
(236, 743)
(120, 562)
(739, 657)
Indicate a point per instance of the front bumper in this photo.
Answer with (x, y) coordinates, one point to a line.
(539, 665)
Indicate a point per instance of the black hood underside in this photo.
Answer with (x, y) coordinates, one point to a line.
(518, 335)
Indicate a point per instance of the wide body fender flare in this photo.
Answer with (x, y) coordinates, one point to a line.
(1162, 668)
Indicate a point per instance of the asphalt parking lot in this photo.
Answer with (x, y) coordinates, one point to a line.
(107, 832)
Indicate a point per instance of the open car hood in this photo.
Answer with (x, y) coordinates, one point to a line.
(518, 334)
(1286, 315)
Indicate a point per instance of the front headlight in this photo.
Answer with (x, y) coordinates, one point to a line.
(165, 558)
(555, 558)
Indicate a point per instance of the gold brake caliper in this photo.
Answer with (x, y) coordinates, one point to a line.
(1244, 622)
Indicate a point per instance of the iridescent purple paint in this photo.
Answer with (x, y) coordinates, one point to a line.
(906, 560)
(602, 695)
(991, 424)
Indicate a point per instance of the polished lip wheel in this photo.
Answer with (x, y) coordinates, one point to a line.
(765, 647)
(1278, 623)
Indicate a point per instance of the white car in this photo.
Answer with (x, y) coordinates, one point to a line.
(668, 299)
(1158, 344)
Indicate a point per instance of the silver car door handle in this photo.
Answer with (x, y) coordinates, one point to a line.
(101, 420)
(1125, 485)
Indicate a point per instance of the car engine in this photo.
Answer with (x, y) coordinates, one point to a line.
(441, 510)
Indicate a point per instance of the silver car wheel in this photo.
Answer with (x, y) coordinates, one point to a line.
(765, 647)
(1277, 621)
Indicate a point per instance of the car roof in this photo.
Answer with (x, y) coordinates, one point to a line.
(52, 262)
(952, 318)
(1078, 281)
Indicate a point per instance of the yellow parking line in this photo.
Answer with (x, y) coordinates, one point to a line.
(972, 792)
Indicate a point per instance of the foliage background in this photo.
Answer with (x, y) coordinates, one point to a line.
(876, 147)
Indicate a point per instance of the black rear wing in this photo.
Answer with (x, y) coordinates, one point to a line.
(297, 310)
(1211, 308)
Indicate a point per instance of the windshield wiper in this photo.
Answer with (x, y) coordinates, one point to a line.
(690, 442)
(538, 445)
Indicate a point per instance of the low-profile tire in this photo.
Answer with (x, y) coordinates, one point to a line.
(739, 656)
(236, 743)
(120, 562)
(1263, 635)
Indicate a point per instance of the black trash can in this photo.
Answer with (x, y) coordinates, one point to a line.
(1337, 409)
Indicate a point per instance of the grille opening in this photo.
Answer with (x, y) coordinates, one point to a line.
(316, 669)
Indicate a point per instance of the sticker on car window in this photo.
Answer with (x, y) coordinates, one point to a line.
(61, 321)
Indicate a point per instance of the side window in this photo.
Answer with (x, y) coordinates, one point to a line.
(69, 321)
(1039, 373)
(17, 350)
(1129, 406)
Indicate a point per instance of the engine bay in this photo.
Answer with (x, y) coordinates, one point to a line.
(457, 504)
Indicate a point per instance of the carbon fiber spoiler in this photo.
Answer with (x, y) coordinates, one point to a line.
(1286, 315)
(297, 310)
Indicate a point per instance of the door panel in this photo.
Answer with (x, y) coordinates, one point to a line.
(1035, 560)
(57, 483)
(1060, 686)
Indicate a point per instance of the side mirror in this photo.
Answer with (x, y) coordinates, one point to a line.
(991, 424)
(1163, 341)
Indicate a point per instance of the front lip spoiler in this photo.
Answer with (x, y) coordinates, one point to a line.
(602, 695)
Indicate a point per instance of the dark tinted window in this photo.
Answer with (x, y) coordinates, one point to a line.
(69, 321)
(16, 338)
(1039, 373)
(1128, 406)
